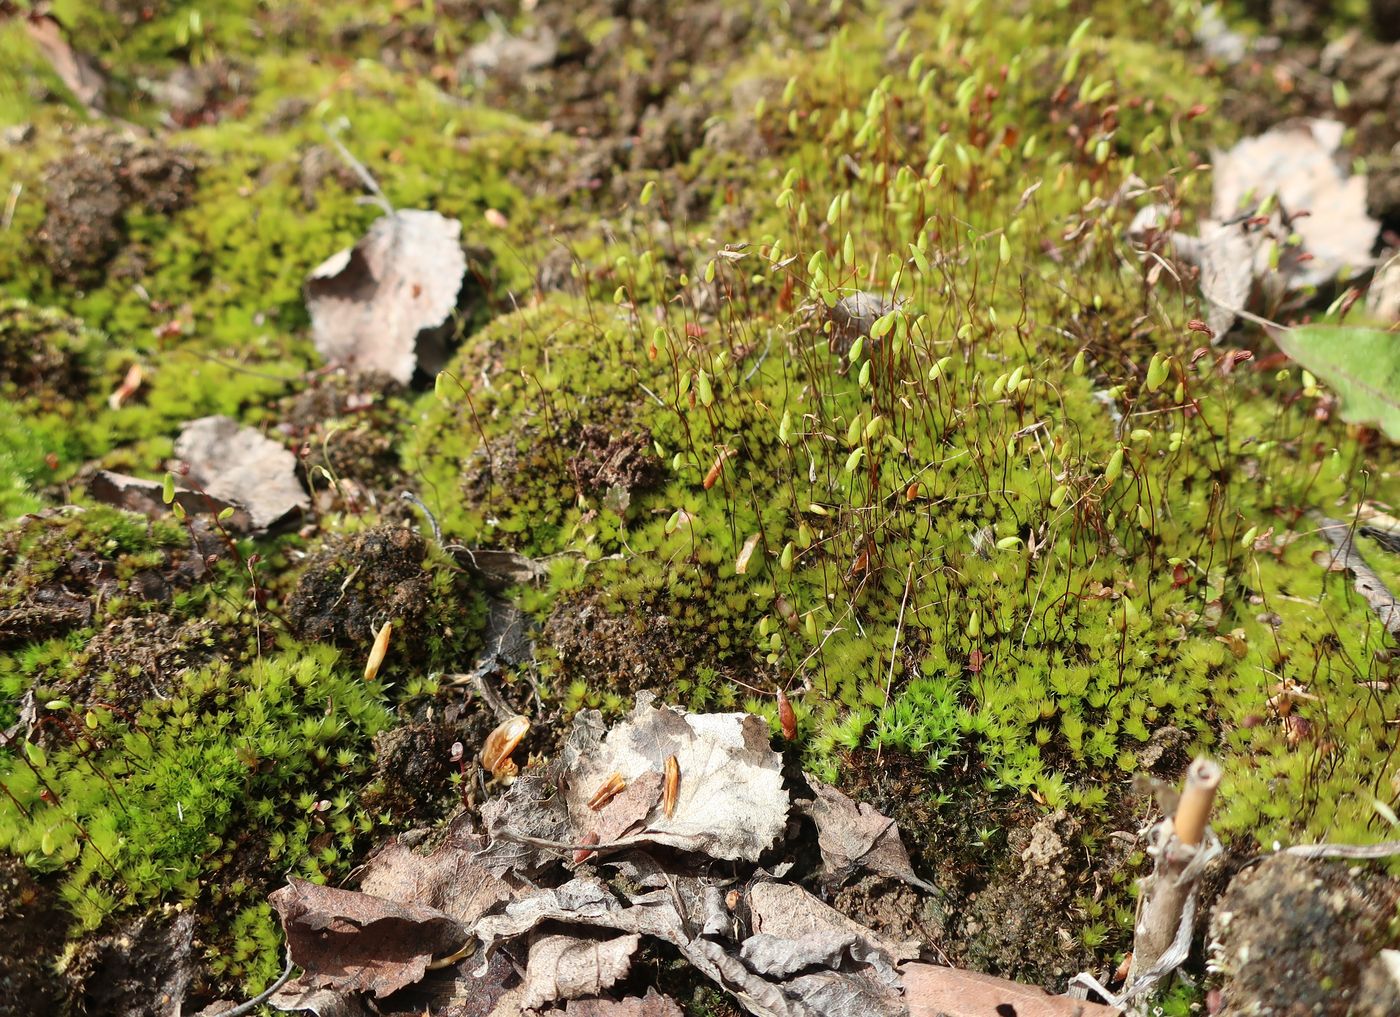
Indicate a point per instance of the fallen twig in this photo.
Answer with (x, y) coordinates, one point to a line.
(1345, 556)
(265, 995)
(1385, 849)
(1183, 845)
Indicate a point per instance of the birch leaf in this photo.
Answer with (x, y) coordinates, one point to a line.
(1362, 365)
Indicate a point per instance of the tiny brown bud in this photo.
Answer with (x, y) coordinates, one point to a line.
(786, 717)
(582, 855)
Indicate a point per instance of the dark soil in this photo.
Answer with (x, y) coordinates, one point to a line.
(1292, 936)
(141, 970)
(40, 353)
(33, 926)
(355, 584)
(605, 460)
(52, 578)
(90, 190)
(644, 644)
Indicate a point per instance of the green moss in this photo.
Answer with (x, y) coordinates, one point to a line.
(1013, 533)
(1112, 596)
(144, 807)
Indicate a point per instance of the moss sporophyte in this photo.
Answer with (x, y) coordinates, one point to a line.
(838, 380)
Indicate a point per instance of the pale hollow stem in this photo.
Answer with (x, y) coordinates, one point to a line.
(1170, 891)
(1197, 797)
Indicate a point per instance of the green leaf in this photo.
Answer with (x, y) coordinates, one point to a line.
(1362, 365)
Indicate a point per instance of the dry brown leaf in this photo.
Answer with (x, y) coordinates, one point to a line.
(1299, 163)
(299, 996)
(855, 836)
(147, 497)
(790, 912)
(448, 879)
(350, 941)
(586, 901)
(779, 958)
(931, 991)
(653, 1004)
(383, 304)
(498, 568)
(239, 466)
(563, 967)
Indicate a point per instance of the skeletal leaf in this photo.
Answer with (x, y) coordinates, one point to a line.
(730, 802)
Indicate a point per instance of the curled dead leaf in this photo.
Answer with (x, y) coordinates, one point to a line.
(385, 303)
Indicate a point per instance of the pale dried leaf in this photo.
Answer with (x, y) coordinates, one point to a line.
(855, 314)
(741, 564)
(239, 466)
(1371, 586)
(448, 879)
(931, 991)
(855, 836)
(381, 304)
(653, 1004)
(779, 958)
(498, 568)
(1299, 163)
(512, 55)
(790, 912)
(1226, 259)
(1383, 295)
(565, 967)
(350, 941)
(730, 803)
(846, 994)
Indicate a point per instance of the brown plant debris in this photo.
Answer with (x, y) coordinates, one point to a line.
(357, 942)
(949, 992)
(563, 967)
(1345, 556)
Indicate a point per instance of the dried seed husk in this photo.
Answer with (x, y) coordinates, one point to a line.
(500, 743)
(378, 650)
(671, 788)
